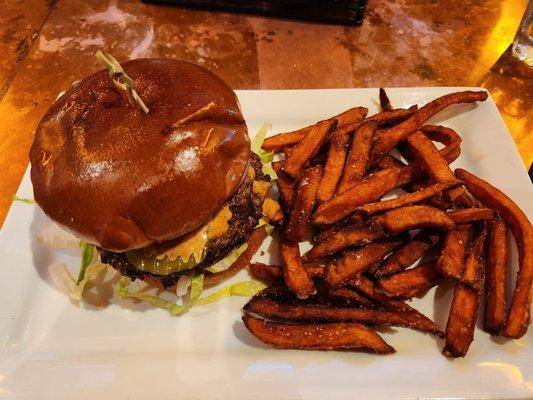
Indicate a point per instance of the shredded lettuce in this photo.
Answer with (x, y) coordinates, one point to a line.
(259, 138)
(227, 261)
(265, 157)
(24, 200)
(263, 222)
(244, 288)
(197, 287)
(86, 259)
(91, 267)
(90, 273)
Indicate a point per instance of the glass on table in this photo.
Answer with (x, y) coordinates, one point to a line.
(523, 41)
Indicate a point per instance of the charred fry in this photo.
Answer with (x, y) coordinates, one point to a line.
(271, 309)
(384, 100)
(351, 296)
(273, 273)
(330, 336)
(366, 286)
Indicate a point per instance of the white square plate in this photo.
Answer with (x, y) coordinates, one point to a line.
(51, 348)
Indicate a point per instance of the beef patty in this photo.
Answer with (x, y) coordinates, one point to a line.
(246, 210)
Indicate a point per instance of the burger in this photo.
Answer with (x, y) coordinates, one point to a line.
(159, 193)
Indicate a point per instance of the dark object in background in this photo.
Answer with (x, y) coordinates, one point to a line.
(348, 12)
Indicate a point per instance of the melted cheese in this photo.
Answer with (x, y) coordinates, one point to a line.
(194, 244)
(261, 188)
(219, 225)
(270, 208)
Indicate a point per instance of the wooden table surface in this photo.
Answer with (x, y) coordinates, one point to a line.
(45, 45)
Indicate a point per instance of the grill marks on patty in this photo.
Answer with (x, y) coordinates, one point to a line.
(246, 210)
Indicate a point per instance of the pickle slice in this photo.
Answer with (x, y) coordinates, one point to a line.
(163, 266)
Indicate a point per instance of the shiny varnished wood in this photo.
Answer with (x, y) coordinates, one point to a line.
(48, 45)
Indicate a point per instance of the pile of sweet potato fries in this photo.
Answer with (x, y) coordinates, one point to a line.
(371, 254)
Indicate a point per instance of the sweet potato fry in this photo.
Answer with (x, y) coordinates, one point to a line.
(437, 200)
(273, 273)
(522, 230)
(271, 309)
(451, 262)
(351, 296)
(303, 204)
(406, 200)
(285, 184)
(469, 215)
(474, 272)
(407, 173)
(431, 161)
(448, 137)
(367, 287)
(296, 277)
(386, 119)
(413, 217)
(357, 160)
(277, 142)
(350, 236)
(345, 130)
(384, 100)
(405, 256)
(369, 189)
(338, 147)
(354, 262)
(323, 234)
(329, 336)
(254, 242)
(411, 282)
(495, 279)
(386, 140)
(461, 321)
(287, 151)
(412, 172)
(308, 147)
